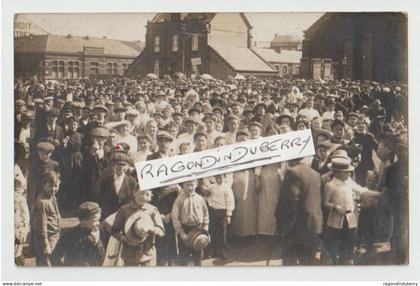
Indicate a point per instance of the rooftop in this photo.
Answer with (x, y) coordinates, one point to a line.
(240, 58)
(75, 44)
(285, 56)
(285, 39)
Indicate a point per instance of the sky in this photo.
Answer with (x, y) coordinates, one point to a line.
(131, 26)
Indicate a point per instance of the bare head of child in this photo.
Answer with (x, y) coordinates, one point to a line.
(142, 197)
(50, 183)
(372, 180)
(219, 142)
(189, 187)
(184, 148)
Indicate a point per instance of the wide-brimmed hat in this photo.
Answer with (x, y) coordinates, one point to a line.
(136, 228)
(340, 163)
(117, 124)
(198, 239)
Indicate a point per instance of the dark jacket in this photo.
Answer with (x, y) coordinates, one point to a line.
(75, 249)
(108, 198)
(92, 170)
(298, 213)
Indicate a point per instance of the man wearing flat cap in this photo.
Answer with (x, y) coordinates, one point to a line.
(163, 199)
(69, 197)
(95, 161)
(115, 188)
(81, 245)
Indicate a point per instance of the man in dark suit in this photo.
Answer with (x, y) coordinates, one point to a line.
(116, 188)
(95, 161)
(277, 106)
(299, 214)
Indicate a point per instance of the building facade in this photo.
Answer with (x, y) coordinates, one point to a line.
(286, 63)
(198, 43)
(356, 46)
(72, 57)
(286, 42)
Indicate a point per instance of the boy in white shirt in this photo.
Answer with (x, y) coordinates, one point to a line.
(221, 203)
(339, 200)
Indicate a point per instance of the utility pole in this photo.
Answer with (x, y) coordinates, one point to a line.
(184, 29)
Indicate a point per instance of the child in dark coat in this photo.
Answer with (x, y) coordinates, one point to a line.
(82, 245)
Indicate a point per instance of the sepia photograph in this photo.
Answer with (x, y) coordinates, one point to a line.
(211, 139)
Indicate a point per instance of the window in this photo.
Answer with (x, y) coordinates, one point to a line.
(156, 46)
(277, 67)
(124, 67)
(284, 70)
(109, 68)
(76, 71)
(60, 69)
(54, 69)
(94, 68)
(114, 68)
(174, 43)
(70, 69)
(194, 43)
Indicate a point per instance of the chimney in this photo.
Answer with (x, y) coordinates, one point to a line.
(86, 38)
(68, 36)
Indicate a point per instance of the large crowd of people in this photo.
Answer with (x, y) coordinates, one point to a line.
(76, 142)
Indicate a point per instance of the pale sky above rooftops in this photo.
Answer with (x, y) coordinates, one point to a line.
(131, 26)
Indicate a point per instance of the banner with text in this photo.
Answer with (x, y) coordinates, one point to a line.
(230, 158)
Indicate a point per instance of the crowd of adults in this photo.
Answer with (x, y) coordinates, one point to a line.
(76, 142)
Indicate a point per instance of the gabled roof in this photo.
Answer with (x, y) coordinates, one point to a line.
(74, 44)
(318, 24)
(241, 58)
(161, 17)
(285, 56)
(285, 39)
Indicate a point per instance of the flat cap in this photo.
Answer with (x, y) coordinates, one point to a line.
(232, 117)
(164, 135)
(242, 132)
(255, 123)
(53, 112)
(198, 134)
(19, 102)
(46, 146)
(132, 112)
(100, 132)
(158, 114)
(87, 209)
(28, 115)
(100, 107)
(354, 114)
(190, 119)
